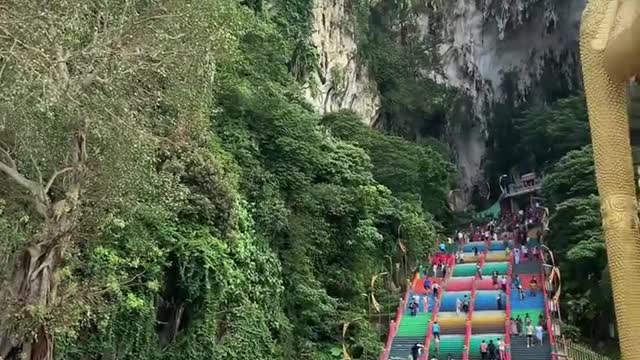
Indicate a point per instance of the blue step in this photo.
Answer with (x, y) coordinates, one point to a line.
(468, 247)
(448, 302)
(529, 302)
(420, 303)
(487, 300)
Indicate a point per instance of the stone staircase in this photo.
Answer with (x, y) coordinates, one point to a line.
(520, 351)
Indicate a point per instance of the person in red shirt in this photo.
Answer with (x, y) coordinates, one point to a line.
(533, 285)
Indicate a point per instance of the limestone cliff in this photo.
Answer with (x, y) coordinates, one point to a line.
(486, 40)
(339, 82)
(481, 44)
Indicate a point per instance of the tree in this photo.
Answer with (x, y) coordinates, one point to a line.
(83, 85)
(577, 240)
(547, 132)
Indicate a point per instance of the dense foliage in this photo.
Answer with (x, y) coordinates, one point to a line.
(555, 137)
(576, 237)
(197, 208)
(534, 138)
(403, 59)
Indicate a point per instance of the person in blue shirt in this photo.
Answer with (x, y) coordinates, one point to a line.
(516, 281)
(427, 284)
(436, 330)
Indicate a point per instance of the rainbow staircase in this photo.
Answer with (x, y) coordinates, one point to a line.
(462, 333)
(411, 330)
(533, 306)
(486, 320)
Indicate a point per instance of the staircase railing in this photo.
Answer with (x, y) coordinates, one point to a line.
(393, 325)
(507, 325)
(547, 314)
(575, 351)
(450, 263)
(467, 330)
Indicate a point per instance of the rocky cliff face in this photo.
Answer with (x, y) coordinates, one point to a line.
(483, 42)
(339, 81)
(486, 40)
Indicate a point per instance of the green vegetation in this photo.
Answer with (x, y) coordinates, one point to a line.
(554, 138)
(165, 192)
(538, 136)
(576, 236)
(403, 61)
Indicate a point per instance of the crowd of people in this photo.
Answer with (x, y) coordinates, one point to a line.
(534, 334)
(492, 351)
(512, 226)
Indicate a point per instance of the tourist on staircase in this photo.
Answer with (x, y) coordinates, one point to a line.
(533, 285)
(494, 279)
(484, 351)
(436, 330)
(415, 351)
(539, 332)
(503, 284)
(513, 326)
(492, 350)
(529, 329)
(465, 304)
(414, 307)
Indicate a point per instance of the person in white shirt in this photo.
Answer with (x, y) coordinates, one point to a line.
(501, 350)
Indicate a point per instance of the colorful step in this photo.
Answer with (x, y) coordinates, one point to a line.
(448, 301)
(465, 270)
(488, 322)
(413, 326)
(476, 340)
(500, 267)
(460, 283)
(450, 345)
(488, 300)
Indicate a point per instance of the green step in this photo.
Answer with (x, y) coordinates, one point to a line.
(414, 325)
(453, 344)
(533, 314)
(464, 270)
(490, 267)
(476, 340)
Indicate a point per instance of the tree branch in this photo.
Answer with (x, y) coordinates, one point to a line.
(32, 186)
(53, 178)
(8, 158)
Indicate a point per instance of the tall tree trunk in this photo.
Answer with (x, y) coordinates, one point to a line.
(34, 281)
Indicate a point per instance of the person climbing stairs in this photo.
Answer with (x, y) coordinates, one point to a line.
(532, 307)
(412, 329)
